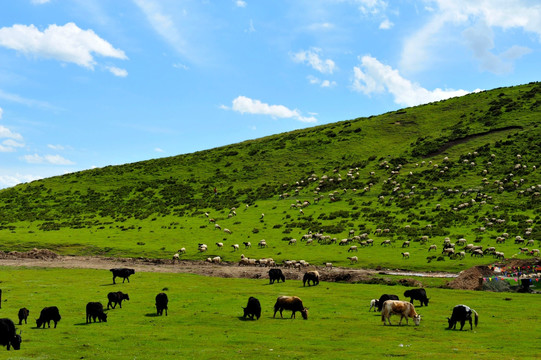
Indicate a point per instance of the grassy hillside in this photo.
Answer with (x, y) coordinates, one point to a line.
(459, 168)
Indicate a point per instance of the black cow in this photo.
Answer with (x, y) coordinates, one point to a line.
(276, 275)
(23, 315)
(124, 273)
(161, 303)
(8, 337)
(252, 309)
(116, 298)
(384, 298)
(417, 294)
(462, 313)
(47, 314)
(95, 310)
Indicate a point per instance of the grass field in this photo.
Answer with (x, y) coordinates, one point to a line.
(205, 320)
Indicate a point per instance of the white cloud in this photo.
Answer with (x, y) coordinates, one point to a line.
(117, 71)
(28, 102)
(374, 77)
(386, 24)
(251, 27)
(47, 159)
(12, 180)
(243, 104)
(7, 133)
(311, 57)
(323, 83)
(484, 15)
(240, 3)
(159, 150)
(371, 7)
(66, 43)
(56, 147)
(163, 24)
(180, 66)
(40, 2)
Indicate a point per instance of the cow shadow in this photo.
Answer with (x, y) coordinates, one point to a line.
(153, 315)
(110, 284)
(242, 318)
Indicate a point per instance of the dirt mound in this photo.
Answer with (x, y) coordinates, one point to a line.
(469, 279)
(42, 254)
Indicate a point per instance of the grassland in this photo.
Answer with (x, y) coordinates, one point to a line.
(204, 320)
(462, 168)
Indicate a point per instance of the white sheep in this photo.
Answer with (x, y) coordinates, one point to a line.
(353, 259)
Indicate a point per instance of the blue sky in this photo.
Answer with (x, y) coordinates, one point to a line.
(91, 83)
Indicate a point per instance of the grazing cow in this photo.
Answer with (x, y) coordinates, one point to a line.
(95, 310)
(417, 294)
(116, 298)
(8, 337)
(384, 298)
(402, 308)
(47, 314)
(124, 273)
(462, 313)
(161, 303)
(312, 276)
(292, 303)
(253, 308)
(374, 304)
(23, 315)
(276, 275)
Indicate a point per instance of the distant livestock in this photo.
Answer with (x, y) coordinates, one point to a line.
(124, 273)
(253, 308)
(161, 303)
(276, 275)
(312, 276)
(374, 304)
(384, 298)
(95, 310)
(403, 308)
(405, 255)
(461, 313)
(47, 315)
(292, 303)
(8, 337)
(116, 298)
(417, 294)
(23, 315)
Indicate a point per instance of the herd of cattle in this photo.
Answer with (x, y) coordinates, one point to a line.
(387, 304)
(94, 311)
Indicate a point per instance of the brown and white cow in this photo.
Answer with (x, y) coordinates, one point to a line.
(402, 308)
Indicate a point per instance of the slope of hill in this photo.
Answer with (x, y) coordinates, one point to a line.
(460, 168)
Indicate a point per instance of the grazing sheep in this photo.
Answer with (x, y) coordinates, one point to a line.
(406, 244)
(386, 242)
(235, 247)
(216, 260)
(433, 247)
(220, 245)
(228, 231)
(405, 255)
(353, 259)
(352, 248)
(262, 244)
(182, 251)
(216, 226)
(374, 304)
(176, 257)
(247, 244)
(292, 242)
(328, 265)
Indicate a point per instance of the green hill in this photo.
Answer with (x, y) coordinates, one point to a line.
(459, 168)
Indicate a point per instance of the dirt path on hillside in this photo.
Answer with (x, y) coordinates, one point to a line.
(47, 258)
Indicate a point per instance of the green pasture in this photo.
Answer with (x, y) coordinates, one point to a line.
(205, 320)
